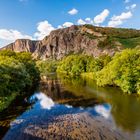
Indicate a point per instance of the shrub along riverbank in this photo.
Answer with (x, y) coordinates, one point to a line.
(18, 74)
(122, 70)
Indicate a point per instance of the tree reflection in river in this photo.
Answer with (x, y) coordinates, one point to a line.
(82, 92)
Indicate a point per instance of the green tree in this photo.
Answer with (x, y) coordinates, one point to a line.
(122, 71)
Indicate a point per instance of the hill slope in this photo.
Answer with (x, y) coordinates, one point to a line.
(86, 39)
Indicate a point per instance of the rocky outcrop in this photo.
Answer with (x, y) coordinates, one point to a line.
(61, 42)
(23, 45)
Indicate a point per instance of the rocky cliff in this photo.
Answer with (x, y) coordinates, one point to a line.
(90, 40)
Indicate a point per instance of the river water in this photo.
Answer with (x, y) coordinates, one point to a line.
(72, 108)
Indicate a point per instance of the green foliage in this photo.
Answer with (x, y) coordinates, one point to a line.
(129, 38)
(123, 71)
(130, 42)
(47, 66)
(77, 64)
(30, 65)
(17, 72)
(105, 59)
(116, 32)
(13, 75)
(73, 64)
(108, 42)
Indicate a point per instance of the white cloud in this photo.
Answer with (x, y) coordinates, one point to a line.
(114, 23)
(126, 1)
(89, 20)
(59, 26)
(44, 101)
(73, 11)
(123, 16)
(118, 20)
(103, 111)
(67, 24)
(81, 22)
(131, 7)
(44, 28)
(101, 17)
(86, 21)
(12, 35)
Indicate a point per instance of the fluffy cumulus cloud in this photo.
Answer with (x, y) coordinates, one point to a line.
(73, 11)
(131, 7)
(85, 21)
(44, 28)
(101, 17)
(12, 35)
(65, 25)
(118, 20)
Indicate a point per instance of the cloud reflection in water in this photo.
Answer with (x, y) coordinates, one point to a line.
(44, 101)
(103, 110)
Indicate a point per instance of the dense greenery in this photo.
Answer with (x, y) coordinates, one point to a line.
(18, 73)
(108, 42)
(77, 64)
(128, 38)
(47, 66)
(123, 71)
(116, 32)
(130, 42)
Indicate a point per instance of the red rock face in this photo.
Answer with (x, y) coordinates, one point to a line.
(61, 42)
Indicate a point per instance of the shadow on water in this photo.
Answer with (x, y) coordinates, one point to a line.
(16, 108)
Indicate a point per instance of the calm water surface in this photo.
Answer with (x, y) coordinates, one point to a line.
(59, 96)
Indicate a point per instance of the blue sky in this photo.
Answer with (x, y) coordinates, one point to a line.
(34, 19)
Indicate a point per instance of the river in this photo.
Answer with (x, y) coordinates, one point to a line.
(72, 108)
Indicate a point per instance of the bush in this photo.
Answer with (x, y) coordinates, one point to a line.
(77, 64)
(123, 71)
(17, 72)
(47, 66)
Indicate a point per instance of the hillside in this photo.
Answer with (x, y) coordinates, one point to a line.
(86, 39)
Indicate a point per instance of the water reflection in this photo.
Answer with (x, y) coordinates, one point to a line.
(124, 109)
(59, 96)
(43, 101)
(103, 110)
(44, 109)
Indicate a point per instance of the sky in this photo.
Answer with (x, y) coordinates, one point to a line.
(34, 19)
